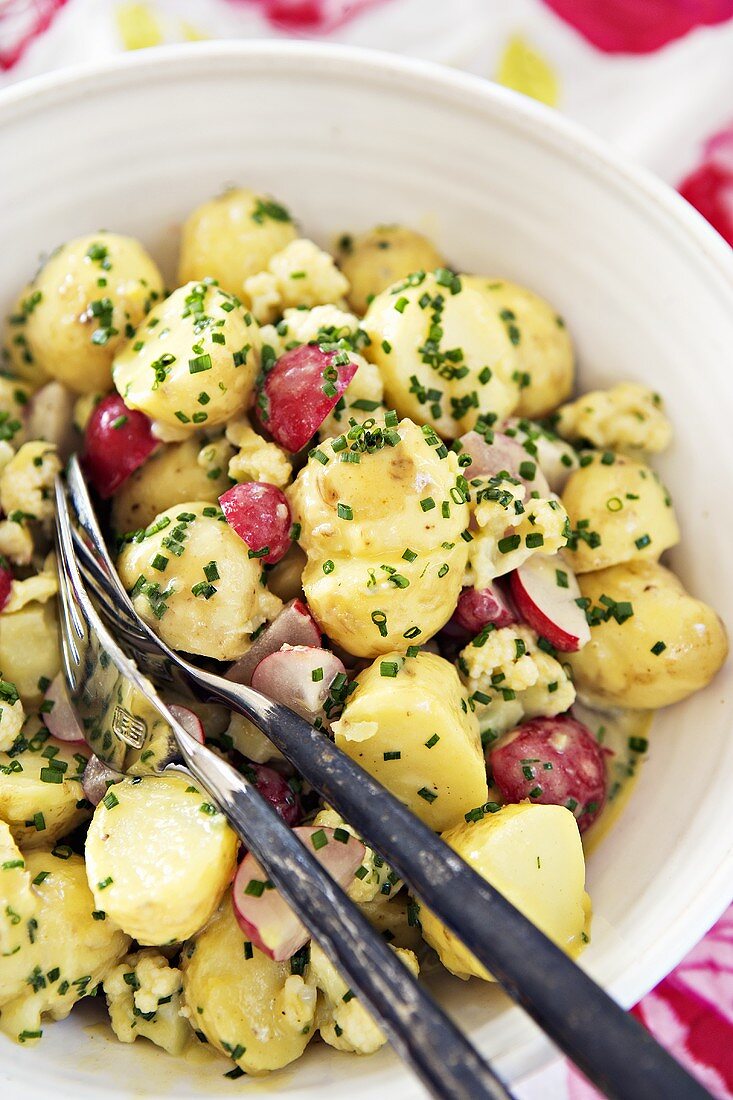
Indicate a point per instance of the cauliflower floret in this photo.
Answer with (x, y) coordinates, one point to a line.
(264, 296)
(301, 326)
(374, 879)
(342, 1021)
(16, 541)
(511, 678)
(257, 459)
(144, 998)
(628, 418)
(38, 589)
(511, 526)
(12, 715)
(26, 483)
(214, 457)
(301, 274)
(363, 397)
(13, 399)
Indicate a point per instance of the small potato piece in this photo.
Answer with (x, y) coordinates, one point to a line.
(29, 648)
(76, 326)
(670, 647)
(210, 598)
(252, 1009)
(165, 890)
(542, 342)
(17, 901)
(16, 356)
(443, 353)
(409, 725)
(232, 237)
(193, 363)
(619, 511)
(285, 579)
(14, 398)
(381, 257)
(170, 476)
(627, 417)
(71, 949)
(144, 999)
(534, 856)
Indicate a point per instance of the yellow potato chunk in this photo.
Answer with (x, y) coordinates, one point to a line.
(619, 511)
(534, 856)
(16, 356)
(70, 948)
(193, 363)
(232, 237)
(17, 901)
(546, 361)
(250, 1008)
(443, 352)
(381, 257)
(382, 536)
(670, 646)
(409, 725)
(210, 596)
(86, 301)
(165, 890)
(29, 648)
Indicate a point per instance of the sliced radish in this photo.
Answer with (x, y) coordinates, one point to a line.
(6, 581)
(275, 788)
(545, 592)
(51, 417)
(116, 442)
(479, 607)
(293, 626)
(190, 722)
(61, 719)
(97, 779)
(300, 677)
(300, 391)
(263, 914)
(502, 455)
(260, 515)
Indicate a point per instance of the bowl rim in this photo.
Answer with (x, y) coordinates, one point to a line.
(539, 123)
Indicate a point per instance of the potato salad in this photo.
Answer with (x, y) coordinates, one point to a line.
(361, 481)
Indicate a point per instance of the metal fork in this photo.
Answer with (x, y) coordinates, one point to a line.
(123, 714)
(608, 1045)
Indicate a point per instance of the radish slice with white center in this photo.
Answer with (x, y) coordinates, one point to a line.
(263, 914)
(6, 582)
(190, 722)
(545, 592)
(293, 626)
(502, 455)
(61, 719)
(260, 515)
(301, 678)
(97, 779)
(477, 607)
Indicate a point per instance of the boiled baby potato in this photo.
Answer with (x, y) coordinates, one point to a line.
(70, 948)
(653, 644)
(193, 579)
(250, 1008)
(171, 475)
(443, 352)
(619, 511)
(383, 536)
(381, 257)
(409, 725)
(232, 237)
(534, 856)
(88, 299)
(193, 363)
(16, 356)
(546, 361)
(29, 648)
(164, 890)
(40, 786)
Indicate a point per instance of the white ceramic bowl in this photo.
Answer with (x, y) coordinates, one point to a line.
(507, 187)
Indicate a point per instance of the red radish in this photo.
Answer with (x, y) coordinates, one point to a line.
(260, 515)
(116, 442)
(61, 719)
(300, 677)
(263, 914)
(503, 455)
(97, 779)
(293, 626)
(478, 607)
(275, 788)
(300, 391)
(190, 722)
(555, 761)
(545, 592)
(6, 581)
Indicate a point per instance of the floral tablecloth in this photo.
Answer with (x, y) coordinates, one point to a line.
(653, 77)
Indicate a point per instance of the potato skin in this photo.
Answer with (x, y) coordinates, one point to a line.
(77, 326)
(228, 240)
(382, 256)
(534, 856)
(624, 503)
(165, 890)
(403, 713)
(252, 1005)
(618, 666)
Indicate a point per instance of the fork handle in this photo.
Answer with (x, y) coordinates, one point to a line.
(421, 1032)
